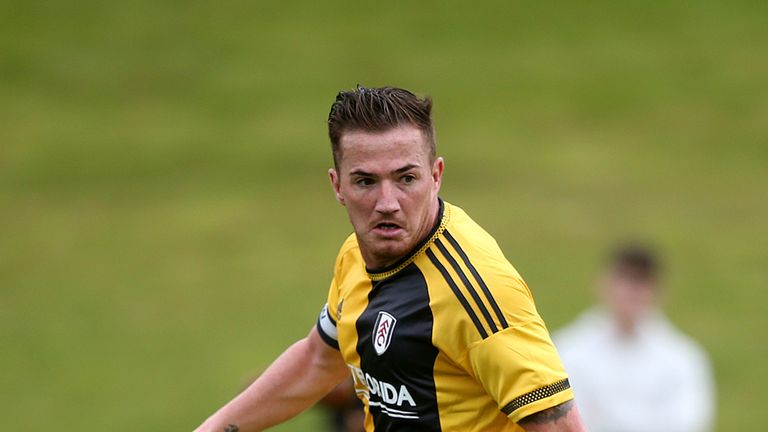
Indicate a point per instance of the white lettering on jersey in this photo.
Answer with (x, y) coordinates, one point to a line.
(404, 396)
(382, 331)
(390, 395)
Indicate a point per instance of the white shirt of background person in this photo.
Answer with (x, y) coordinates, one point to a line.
(631, 369)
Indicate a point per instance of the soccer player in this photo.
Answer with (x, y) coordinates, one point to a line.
(435, 326)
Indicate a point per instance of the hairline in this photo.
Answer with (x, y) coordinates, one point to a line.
(428, 138)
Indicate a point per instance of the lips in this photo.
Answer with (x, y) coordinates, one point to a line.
(387, 229)
(387, 226)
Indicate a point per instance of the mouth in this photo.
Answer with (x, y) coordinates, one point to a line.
(387, 228)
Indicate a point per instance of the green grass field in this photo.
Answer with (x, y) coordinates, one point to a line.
(168, 227)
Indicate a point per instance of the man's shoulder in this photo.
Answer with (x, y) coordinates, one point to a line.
(349, 253)
(349, 245)
(475, 243)
(676, 341)
(462, 228)
(457, 217)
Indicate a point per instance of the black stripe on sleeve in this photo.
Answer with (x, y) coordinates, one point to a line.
(479, 279)
(538, 394)
(457, 292)
(470, 288)
(329, 340)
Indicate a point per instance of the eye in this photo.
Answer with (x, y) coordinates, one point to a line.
(364, 181)
(408, 179)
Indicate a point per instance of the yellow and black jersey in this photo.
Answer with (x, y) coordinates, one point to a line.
(447, 339)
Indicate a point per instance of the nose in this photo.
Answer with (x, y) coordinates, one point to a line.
(387, 202)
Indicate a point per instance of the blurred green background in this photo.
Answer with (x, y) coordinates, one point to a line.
(168, 227)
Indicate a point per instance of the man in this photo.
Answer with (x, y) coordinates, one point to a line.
(437, 329)
(634, 372)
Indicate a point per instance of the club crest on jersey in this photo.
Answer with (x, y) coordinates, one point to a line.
(382, 331)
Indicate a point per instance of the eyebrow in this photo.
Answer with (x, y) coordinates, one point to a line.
(362, 173)
(406, 168)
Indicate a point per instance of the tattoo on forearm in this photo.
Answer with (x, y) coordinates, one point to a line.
(549, 415)
(231, 428)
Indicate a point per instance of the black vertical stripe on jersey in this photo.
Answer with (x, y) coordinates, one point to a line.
(410, 358)
(457, 292)
(470, 288)
(479, 279)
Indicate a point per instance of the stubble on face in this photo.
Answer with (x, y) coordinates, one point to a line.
(389, 183)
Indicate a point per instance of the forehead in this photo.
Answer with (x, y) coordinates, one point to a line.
(406, 144)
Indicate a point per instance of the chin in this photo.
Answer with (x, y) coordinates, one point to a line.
(390, 255)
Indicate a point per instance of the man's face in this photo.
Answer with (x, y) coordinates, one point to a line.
(389, 185)
(630, 299)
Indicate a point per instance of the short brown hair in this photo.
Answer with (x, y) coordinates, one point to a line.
(378, 110)
(636, 261)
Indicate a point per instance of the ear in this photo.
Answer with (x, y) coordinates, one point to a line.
(336, 184)
(437, 172)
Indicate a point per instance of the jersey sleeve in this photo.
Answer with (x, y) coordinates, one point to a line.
(326, 322)
(519, 365)
(520, 368)
(326, 327)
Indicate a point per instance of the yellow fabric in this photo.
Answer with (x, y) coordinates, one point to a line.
(482, 365)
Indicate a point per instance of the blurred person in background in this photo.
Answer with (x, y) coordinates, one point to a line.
(631, 369)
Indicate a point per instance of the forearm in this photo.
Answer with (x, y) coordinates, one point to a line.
(295, 381)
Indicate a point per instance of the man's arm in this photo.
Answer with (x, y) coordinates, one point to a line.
(560, 418)
(302, 375)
